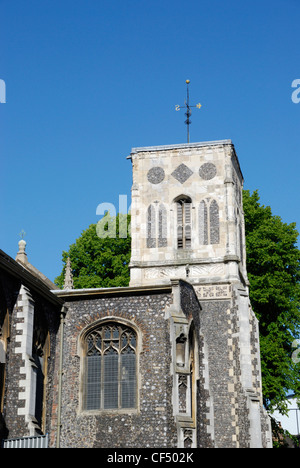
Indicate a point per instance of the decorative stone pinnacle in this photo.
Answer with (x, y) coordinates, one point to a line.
(22, 255)
(68, 284)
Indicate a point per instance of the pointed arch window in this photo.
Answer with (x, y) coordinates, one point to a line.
(214, 222)
(156, 225)
(110, 368)
(151, 227)
(184, 227)
(162, 226)
(209, 222)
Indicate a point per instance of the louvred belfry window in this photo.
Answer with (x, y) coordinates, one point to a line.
(184, 230)
(110, 368)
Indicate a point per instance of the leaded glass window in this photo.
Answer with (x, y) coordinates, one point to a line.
(110, 368)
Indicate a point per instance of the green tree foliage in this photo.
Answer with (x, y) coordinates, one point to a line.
(100, 257)
(273, 265)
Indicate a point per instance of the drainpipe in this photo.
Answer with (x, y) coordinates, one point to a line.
(60, 374)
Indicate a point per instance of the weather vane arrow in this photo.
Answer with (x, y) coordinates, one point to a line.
(188, 112)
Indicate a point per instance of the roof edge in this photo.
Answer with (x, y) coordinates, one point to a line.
(17, 270)
(179, 146)
(115, 290)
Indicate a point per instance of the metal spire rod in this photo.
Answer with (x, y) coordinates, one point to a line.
(188, 112)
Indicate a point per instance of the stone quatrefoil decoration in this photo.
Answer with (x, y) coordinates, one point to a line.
(182, 173)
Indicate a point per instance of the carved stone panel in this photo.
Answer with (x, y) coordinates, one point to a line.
(207, 270)
(217, 291)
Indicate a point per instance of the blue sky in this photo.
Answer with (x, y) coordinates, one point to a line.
(87, 80)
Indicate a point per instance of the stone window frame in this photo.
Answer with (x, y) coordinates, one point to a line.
(82, 354)
(209, 221)
(157, 223)
(183, 222)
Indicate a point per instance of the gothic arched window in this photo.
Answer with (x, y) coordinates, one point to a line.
(214, 222)
(156, 225)
(162, 226)
(184, 228)
(110, 368)
(203, 230)
(209, 223)
(151, 226)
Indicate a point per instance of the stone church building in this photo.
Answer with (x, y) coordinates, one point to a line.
(173, 359)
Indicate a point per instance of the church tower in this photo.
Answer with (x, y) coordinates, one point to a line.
(173, 359)
(188, 227)
(187, 214)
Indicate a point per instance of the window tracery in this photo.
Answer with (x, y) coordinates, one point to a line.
(110, 368)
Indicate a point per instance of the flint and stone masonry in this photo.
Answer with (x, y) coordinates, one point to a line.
(198, 380)
(172, 360)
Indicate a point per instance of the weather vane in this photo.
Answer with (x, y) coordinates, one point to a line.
(22, 234)
(188, 112)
